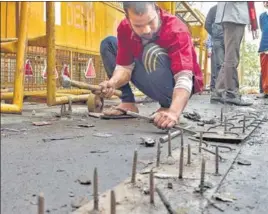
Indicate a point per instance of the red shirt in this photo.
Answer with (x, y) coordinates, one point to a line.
(173, 36)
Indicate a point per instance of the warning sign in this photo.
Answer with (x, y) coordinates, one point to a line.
(65, 70)
(44, 73)
(28, 68)
(90, 71)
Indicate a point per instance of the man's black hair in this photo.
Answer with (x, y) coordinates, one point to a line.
(138, 8)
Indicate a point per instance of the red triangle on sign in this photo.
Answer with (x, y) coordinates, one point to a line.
(90, 72)
(28, 68)
(65, 70)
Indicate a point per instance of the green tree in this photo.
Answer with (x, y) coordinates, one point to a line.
(250, 64)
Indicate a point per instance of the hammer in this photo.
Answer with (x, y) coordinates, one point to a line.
(66, 82)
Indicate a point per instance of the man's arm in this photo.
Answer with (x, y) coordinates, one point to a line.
(122, 75)
(210, 19)
(124, 59)
(180, 51)
(182, 91)
(124, 65)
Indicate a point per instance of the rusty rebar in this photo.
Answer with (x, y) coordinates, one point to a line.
(41, 204)
(169, 144)
(202, 180)
(217, 160)
(173, 134)
(165, 201)
(70, 109)
(95, 190)
(158, 153)
(134, 167)
(151, 187)
(225, 124)
(181, 156)
(200, 141)
(189, 155)
(244, 124)
(221, 115)
(113, 203)
(211, 152)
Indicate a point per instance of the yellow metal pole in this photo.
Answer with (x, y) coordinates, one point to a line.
(173, 8)
(50, 33)
(165, 5)
(205, 69)
(8, 39)
(16, 107)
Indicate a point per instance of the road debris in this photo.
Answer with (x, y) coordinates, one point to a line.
(209, 122)
(200, 123)
(60, 138)
(169, 160)
(86, 125)
(41, 123)
(170, 185)
(165, 201)
(79, 202)
(173, 134)
(148, 141)
(225, 197)
(84, 180)
(207, 185)
(165, 176)
(146, 191)
(103, 135)
(71, 194)
(243, 162)
(147, 171)
(11, 130)
(192, 116)
(98, 151)
(215, 206)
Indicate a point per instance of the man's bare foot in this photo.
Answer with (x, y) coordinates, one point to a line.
(125, 106)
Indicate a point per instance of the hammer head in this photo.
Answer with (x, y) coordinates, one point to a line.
(65, 81)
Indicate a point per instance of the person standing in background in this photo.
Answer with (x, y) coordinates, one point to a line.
(209, 46)
(263, 50)
(217, 40)
(233, 16)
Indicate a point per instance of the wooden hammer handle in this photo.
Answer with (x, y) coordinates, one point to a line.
(90, 87)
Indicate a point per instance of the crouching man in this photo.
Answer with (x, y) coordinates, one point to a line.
(154, 51)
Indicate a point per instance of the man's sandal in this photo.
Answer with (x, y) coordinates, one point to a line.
(121, 116)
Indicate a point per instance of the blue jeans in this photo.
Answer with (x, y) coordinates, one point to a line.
(151, 75)
(260, 84)
(217, 59)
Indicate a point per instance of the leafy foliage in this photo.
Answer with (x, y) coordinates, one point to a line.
(250, 63)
